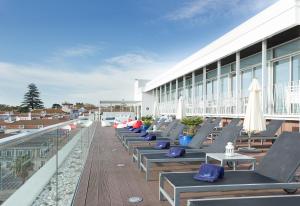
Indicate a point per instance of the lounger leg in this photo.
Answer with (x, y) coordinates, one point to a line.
(161, 186)
(176, 198)
(148, 169)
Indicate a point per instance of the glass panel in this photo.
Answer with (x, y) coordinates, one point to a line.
(199, 78)
(296, 69)
(225, 69)
(281, 72)
(209, 90)
(211, 74)
(280, 81)
(288, 48)
(257, 74)
(199, 91)
(252, 60)
(246, 81)
(214, 82)
(233, 81)
(224, 86)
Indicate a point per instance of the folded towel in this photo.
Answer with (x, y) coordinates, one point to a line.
(162, 145)
(209, 173)
(150, 137)
(175, 152)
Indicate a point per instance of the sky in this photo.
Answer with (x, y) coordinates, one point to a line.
(86, 51)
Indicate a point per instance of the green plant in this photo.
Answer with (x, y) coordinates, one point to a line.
(147, 118)
(191, 123)
(147, 122)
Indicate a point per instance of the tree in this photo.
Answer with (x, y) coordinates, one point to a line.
(32, 98)
(56, 106)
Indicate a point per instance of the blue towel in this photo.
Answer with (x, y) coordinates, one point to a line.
(175, 152)
(209, 173)
(150, 137)
(162, 145)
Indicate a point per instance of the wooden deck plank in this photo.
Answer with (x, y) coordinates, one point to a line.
(104, 183)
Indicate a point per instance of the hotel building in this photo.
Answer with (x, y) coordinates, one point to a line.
(214, 81)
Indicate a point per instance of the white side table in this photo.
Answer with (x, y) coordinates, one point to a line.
(234, 159)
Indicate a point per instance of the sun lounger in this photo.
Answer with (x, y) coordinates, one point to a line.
(195, 144)
(172, 136)
(286, 200)
(275, 171)
(163, 130)
(229, 134)
(268, 134)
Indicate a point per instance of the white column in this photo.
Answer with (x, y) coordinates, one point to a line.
(218, 85)
(204, 90)
(165, 99)
(176, 98)
(237, 83)
(156, 94)
(193, 92)
(270, 88)
(263, 72)
(160, 93)
(170, 90)
(184, 90)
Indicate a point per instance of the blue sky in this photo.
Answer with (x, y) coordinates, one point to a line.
(83, 51)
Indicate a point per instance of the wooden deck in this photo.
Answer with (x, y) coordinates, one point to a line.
(103, 183)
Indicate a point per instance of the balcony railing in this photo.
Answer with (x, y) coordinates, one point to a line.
(285, 101)
(43, 167)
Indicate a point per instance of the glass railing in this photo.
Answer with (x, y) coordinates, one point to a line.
(44, 167)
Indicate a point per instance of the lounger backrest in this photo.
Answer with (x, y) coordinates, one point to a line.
(201, 135)
(272, 128)
(228, 134)
(176, 131)
(234, 122)
(169, 127)
(283, 159)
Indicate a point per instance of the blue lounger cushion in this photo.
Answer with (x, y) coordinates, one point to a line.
(138, 130)
(175, 152)
(209, 173)
(144, 134)
(162, 145)
(150, 137)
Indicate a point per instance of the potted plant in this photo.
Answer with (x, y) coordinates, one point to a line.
(147, 121)
(191, 124)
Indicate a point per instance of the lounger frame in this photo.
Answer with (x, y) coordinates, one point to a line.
(146, 167)
(175, 201)
(190, 201)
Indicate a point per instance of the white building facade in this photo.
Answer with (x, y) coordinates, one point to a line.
(214, 81)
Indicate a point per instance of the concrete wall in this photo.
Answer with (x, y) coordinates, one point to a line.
(147, 103)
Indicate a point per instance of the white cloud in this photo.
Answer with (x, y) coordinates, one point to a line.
(204, 10)
(78, 51)
(112, 80)
(130, 59)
